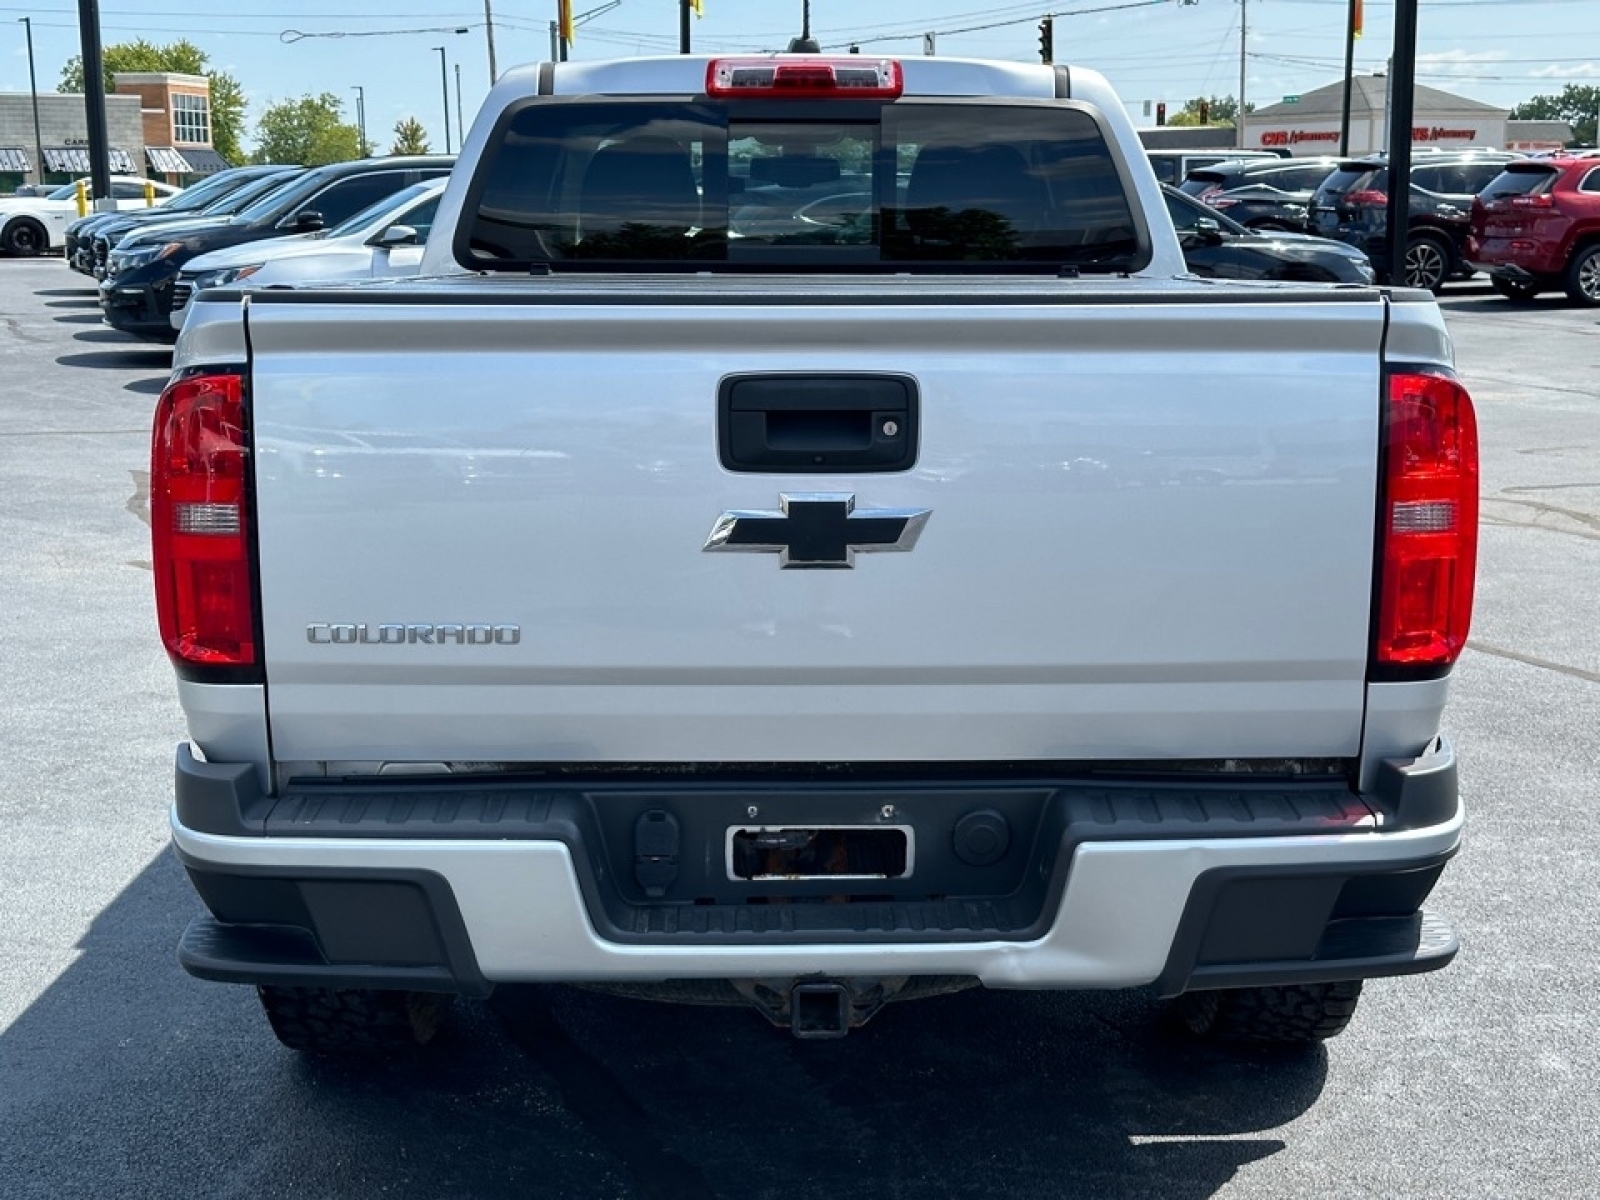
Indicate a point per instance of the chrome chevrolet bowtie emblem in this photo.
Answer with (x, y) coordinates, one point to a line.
(818, 529)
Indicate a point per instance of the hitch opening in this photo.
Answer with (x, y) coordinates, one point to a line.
(819, 1010)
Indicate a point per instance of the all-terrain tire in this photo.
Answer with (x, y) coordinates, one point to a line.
(1583, 276)
(342, 1021)
(1288, 1015)
(24, 238)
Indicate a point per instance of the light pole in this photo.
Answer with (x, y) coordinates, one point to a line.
(38, 140)
(461, 134)
(444, 89)
(361, 114)
(488, 27)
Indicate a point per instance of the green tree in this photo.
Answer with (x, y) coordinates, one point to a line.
(410, 138)
(310, 131)
(180, 58)
(1218, 110)
(1577, 105)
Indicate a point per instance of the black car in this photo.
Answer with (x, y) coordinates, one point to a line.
(136, 294)
(1352, 205)
(190, 202)
(106, 238)
(1261, 194)
(1220, 248)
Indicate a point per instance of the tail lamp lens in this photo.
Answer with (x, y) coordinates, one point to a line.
(1430, 522)
(199, 522)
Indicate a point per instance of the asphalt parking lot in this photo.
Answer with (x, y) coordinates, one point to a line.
(119, 1075)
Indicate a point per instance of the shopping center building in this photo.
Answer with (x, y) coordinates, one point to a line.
(158, 125)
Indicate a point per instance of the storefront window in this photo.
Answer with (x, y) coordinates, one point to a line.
(191, 119)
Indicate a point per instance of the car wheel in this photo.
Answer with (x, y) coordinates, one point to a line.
(339, 1021)
(1513, 289)
(1291, 1015)
(1427, 264)
(24, 238)
(1583, 276)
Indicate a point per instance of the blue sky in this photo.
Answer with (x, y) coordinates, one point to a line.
(1498, 51)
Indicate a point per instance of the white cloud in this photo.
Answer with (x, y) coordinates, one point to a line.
(1585, 70)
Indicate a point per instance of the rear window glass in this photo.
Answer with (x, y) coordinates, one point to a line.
(1200, 182)
(1520, 181)
(1355, 179)
(694, 184)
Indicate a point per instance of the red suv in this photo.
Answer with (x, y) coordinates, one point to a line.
(1536, 227)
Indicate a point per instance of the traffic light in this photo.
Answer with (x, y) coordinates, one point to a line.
(1047, 40)
(1205, 112)
(1161, 112)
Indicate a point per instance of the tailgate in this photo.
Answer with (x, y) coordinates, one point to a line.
(1148, 533)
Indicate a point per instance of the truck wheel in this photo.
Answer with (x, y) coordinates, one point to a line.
(1583, 276)
(24, 238)
(1511, 289)
(1286, 1016)
(329, 1021)
(1427, 264)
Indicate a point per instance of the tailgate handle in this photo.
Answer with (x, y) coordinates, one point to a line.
(810, 424)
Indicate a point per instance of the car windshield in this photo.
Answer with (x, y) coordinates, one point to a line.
(237, 201)
(944, 185)
(196, 198)
(65, 192)
(375, 213)
(279, 200)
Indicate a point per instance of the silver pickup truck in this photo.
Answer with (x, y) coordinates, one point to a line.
(807, 542)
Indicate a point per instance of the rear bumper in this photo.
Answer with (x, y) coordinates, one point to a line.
(1523, 260)
(456, 885)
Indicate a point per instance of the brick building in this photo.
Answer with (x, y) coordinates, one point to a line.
(158, 125)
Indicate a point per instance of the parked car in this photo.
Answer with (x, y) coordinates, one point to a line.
(193, 200)
(1352, 205)
(107, 237)
(1173, 165)
(1261, 193)
(1536, 227)
(35, 224)
(383, 240)
(1221, 248)
(136, 294)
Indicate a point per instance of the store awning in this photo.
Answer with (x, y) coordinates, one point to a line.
(75, 160)
(166, 161)
(203, 160)
(14, 158)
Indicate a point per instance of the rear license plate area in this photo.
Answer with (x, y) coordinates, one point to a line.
(768, 853)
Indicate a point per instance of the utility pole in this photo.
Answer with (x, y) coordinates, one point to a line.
(928, 45)
(461, 135)
(361, 115)
(488, 28)
(1402, 91)
(33, 87)
(444, 90)
(1238, 112)
(1349, 74)
(683, 25)
(94, 100)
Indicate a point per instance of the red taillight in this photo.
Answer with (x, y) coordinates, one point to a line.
(1369, 198)
(1430, 522)
(200, 522)
(1533, 202)
(808, 78)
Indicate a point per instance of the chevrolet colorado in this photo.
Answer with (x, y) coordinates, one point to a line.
(806, 540)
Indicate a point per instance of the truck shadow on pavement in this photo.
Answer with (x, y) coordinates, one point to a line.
(127, 1077)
